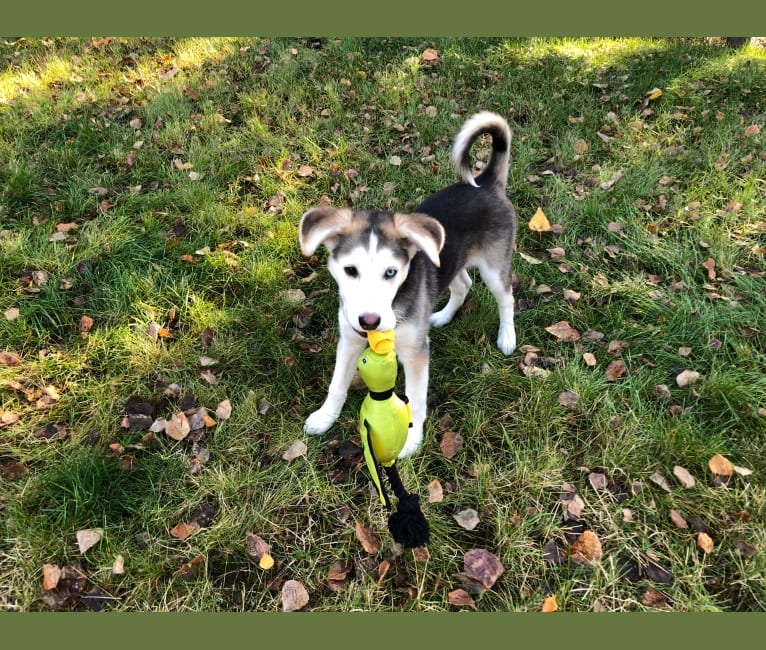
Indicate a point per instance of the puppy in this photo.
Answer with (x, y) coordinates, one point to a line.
(391, 268)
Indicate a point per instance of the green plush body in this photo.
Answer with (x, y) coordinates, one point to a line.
(384, 417)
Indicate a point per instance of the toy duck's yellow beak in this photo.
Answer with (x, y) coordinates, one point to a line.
(381, 342)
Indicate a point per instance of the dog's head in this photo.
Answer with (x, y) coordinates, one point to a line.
(370, 255)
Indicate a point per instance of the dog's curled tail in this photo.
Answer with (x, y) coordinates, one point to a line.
(496, 170)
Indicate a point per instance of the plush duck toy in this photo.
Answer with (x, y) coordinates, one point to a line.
(384, 421)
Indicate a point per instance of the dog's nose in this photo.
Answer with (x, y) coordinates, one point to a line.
(369, 321)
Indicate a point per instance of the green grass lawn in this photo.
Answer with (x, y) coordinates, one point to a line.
(150, 191)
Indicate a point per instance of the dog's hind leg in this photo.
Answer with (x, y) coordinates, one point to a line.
(498, 281)
(458, 290)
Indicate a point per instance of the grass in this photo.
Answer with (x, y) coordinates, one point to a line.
(186, 164)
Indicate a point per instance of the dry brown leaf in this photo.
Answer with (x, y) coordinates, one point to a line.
(589, 359)
(742, 471)
(705, 542)
(88, 537)
(260, 550)
(709, 265)
(580, 147)
(367, 538)
(483, 567)
(564, 332)
(183, 530)
(654, 598)
(51, 576)
(678, 519)
(118, 567)
(178, 427)
(569, 399)
(752, 130)
(8, 418)
(684, 477)
(616, 369)
(659, 479)
(435, 491)
(687, 378)
(338, 572)
(467, 518)
(295, 450)
(429, 54)
(597, 480)
(721, 466)
(9, 358)
(451, 444)
(294, 596)
(617, 347)
(539, 222)
(223, 410)
(550, 604)
(460, 598)
(586, 548)
(12, 313)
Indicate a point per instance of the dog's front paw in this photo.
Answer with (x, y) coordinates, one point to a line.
(440, 318)
(506, 340)
(413, 442)
(319, 422)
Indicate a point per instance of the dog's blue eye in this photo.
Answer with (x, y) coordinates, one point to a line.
(390, 273)
(351, 271)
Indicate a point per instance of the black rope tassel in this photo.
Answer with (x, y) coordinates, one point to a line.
(408, 525)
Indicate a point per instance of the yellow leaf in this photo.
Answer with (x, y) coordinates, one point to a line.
(550, 604)
(266, 562)
(539, 223)
(704, 542)
(721, 466)
(654, 93)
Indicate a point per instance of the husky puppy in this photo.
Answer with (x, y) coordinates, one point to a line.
(391, 268)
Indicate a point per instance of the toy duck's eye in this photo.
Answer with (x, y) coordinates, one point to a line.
(364, 360)
(351, 271)
(390, 273)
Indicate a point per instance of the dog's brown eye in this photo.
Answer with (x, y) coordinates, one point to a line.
(390, 273)
(351, 271)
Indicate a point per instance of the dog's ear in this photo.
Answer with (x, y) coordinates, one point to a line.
(425, 232)
(321, 225)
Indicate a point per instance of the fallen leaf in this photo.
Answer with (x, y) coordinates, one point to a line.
(550, 604)
(678, 519)
(616, 369)
(206, 362)
(9, 358)
(367, 538)
(529, 259)
(569, 399)
(745, 549)
(451, 444)
(705, 542)
(659, 479)
(184, 530)
(564, 332)
(617, 347)
(304, 171)
(539, 222)
(752, 130)
(260, 550)
(654, 598)
(589, 359)
(88, 537)
(460, 598)
(684, 477)
(709, 265)
(51, 576)
(654, 93)
(118, 567)
(597, 480)
(189, 570)
(294, 596)
(295, 450)
(86, 324)
(482, 566)
(178, 427)
(720, 465)
(12, 313)
(607, 185)
(580, 147)
(467, 518)
(209, 377)
(223, 411)
(7, 418)
(435, 491)
(586, 548)
(742, 471)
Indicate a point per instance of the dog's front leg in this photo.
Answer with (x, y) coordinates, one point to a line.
(414, 358)
(350, 346)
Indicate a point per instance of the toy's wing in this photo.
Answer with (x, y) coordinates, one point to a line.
(372, 463)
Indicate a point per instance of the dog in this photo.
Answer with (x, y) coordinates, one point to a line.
(391, 268)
